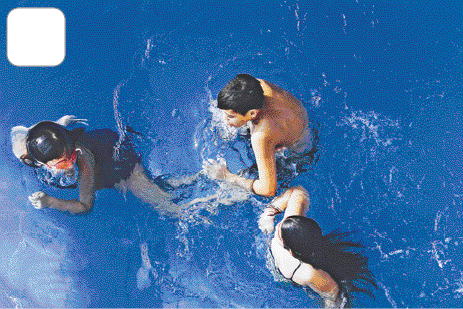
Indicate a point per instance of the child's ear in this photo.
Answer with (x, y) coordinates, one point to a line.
(253, 113)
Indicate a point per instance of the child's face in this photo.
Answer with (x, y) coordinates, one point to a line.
(234, 119)
(64, 163)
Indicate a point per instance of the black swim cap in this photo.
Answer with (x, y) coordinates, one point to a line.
(47, 141)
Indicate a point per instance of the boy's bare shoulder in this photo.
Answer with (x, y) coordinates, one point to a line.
(265, 132)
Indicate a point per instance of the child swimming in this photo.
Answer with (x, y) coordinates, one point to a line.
(63, 157)
(277, 121)
(302, 255)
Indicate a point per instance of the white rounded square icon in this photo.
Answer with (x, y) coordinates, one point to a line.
(36, 37)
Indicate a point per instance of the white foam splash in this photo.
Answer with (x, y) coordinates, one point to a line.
(143, 279)
(388, 294)
(371, 125)
(224, 131)
(438, 251)
(459, 283)
(315, 98)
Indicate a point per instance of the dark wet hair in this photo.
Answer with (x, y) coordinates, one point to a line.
(47, 141)
(241, 94)
(330, 253)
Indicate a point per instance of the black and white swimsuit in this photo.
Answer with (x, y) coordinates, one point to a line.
(284, 265)
(278, 253)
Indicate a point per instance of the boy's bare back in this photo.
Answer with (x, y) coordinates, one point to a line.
(283, 118)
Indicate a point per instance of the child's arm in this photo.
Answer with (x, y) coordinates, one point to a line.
(298, 203)
(264, 151)
(87, 190)
(266, 185)
(42, 200)
(294, 201)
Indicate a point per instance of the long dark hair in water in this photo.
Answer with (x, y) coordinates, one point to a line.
(331, 253)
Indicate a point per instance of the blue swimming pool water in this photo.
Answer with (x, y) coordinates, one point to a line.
(382, 80)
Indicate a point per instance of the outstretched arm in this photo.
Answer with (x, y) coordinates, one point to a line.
(293, 202)
(266, 185)
(298, 203)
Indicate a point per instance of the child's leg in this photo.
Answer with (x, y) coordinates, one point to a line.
(143, 188)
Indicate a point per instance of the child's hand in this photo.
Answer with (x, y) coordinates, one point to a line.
(266, 220)
(39, 200)
(216, 170)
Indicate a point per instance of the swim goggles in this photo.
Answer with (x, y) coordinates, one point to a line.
(62, 163)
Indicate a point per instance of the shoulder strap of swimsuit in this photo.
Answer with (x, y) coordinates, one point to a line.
(278, 269)
(300, 263)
